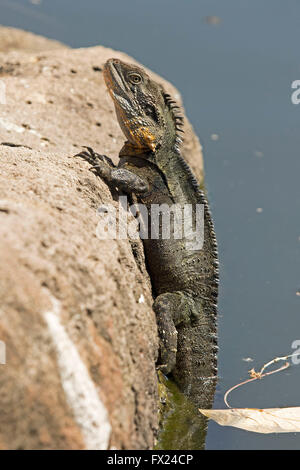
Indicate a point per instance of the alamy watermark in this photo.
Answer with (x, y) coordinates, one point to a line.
(295, 96)
(2, 352)
(296, 354)
(160, 221)
(2, 92)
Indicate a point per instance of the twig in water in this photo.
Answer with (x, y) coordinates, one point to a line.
(259, 375)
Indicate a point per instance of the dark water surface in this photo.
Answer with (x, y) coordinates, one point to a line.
(235, 77)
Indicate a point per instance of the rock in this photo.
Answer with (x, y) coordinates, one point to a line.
(76, 316)
(17, 39)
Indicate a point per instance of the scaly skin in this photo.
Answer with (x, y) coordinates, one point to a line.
(185, 282)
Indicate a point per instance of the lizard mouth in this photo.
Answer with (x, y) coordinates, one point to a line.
(114, 80)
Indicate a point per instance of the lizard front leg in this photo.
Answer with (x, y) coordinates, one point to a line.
(119, 178)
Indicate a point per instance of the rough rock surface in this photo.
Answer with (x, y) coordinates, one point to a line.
(12, 39)
(75, 317)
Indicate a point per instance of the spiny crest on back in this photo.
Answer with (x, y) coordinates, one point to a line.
(178, 119)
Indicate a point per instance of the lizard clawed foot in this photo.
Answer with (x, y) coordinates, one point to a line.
(101, 165)
(94, 158)
(119, 178)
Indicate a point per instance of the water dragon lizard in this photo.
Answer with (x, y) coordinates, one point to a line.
(152, 169)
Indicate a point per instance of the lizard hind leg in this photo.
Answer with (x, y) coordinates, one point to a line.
(173, 310)
(165, 306)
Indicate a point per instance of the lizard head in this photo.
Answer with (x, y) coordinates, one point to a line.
(143, 109)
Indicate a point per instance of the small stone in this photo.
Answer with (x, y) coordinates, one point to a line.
(212, 20)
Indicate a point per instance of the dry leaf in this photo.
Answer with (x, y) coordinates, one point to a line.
(253, 419)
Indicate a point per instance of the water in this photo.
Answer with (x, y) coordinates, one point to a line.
(235, 78)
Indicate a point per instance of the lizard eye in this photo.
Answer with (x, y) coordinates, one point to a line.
(135, 78)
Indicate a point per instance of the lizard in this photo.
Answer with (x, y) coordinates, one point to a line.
(153, 171)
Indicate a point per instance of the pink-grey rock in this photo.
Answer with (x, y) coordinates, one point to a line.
(76, 316)
(12, 39)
